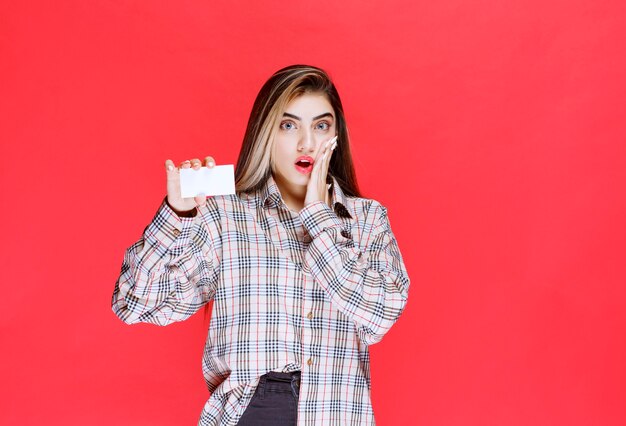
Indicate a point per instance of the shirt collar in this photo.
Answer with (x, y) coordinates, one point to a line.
(270, 194)
(270, 197)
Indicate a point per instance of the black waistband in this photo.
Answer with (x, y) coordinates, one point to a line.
(282, 377)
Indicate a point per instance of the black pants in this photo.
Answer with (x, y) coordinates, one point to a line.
(275, 401)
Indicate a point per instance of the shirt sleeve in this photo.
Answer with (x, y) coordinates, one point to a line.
(365, 279)
(172, 270)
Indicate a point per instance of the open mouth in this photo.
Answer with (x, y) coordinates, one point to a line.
(304, 165)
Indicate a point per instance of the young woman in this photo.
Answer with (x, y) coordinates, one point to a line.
(304, 273)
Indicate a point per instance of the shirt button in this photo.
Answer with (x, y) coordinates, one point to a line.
(309, 362)
(309, 315)
(176, 232)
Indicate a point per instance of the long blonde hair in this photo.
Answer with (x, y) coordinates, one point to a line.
(254, 164)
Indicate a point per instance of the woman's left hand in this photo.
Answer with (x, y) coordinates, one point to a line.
(316, 189)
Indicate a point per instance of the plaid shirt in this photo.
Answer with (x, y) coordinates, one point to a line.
(292, 291)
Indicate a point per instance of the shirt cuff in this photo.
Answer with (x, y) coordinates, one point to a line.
(318, 217)
(167, 229)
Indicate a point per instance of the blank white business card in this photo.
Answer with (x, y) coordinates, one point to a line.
(218, 180)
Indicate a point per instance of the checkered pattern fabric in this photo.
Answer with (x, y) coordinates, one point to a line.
(306, 291)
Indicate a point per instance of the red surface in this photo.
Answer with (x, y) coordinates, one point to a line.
(493, 131)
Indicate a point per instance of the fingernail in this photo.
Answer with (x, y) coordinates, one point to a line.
(211, 164)
(170, 168)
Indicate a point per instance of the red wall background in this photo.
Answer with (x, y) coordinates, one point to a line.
(493, 131)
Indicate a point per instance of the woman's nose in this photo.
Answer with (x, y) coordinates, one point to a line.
(308, 142)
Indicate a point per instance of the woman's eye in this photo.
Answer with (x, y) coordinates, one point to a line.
(287, 125)
(323, 125)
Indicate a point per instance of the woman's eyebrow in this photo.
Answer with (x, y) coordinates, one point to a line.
(295, 117)
(326, 114)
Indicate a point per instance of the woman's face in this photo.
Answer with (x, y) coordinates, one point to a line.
(308, 121)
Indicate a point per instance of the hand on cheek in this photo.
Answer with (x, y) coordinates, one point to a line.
(316, 189)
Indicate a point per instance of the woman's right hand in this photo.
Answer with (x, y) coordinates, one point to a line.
(183, 206)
